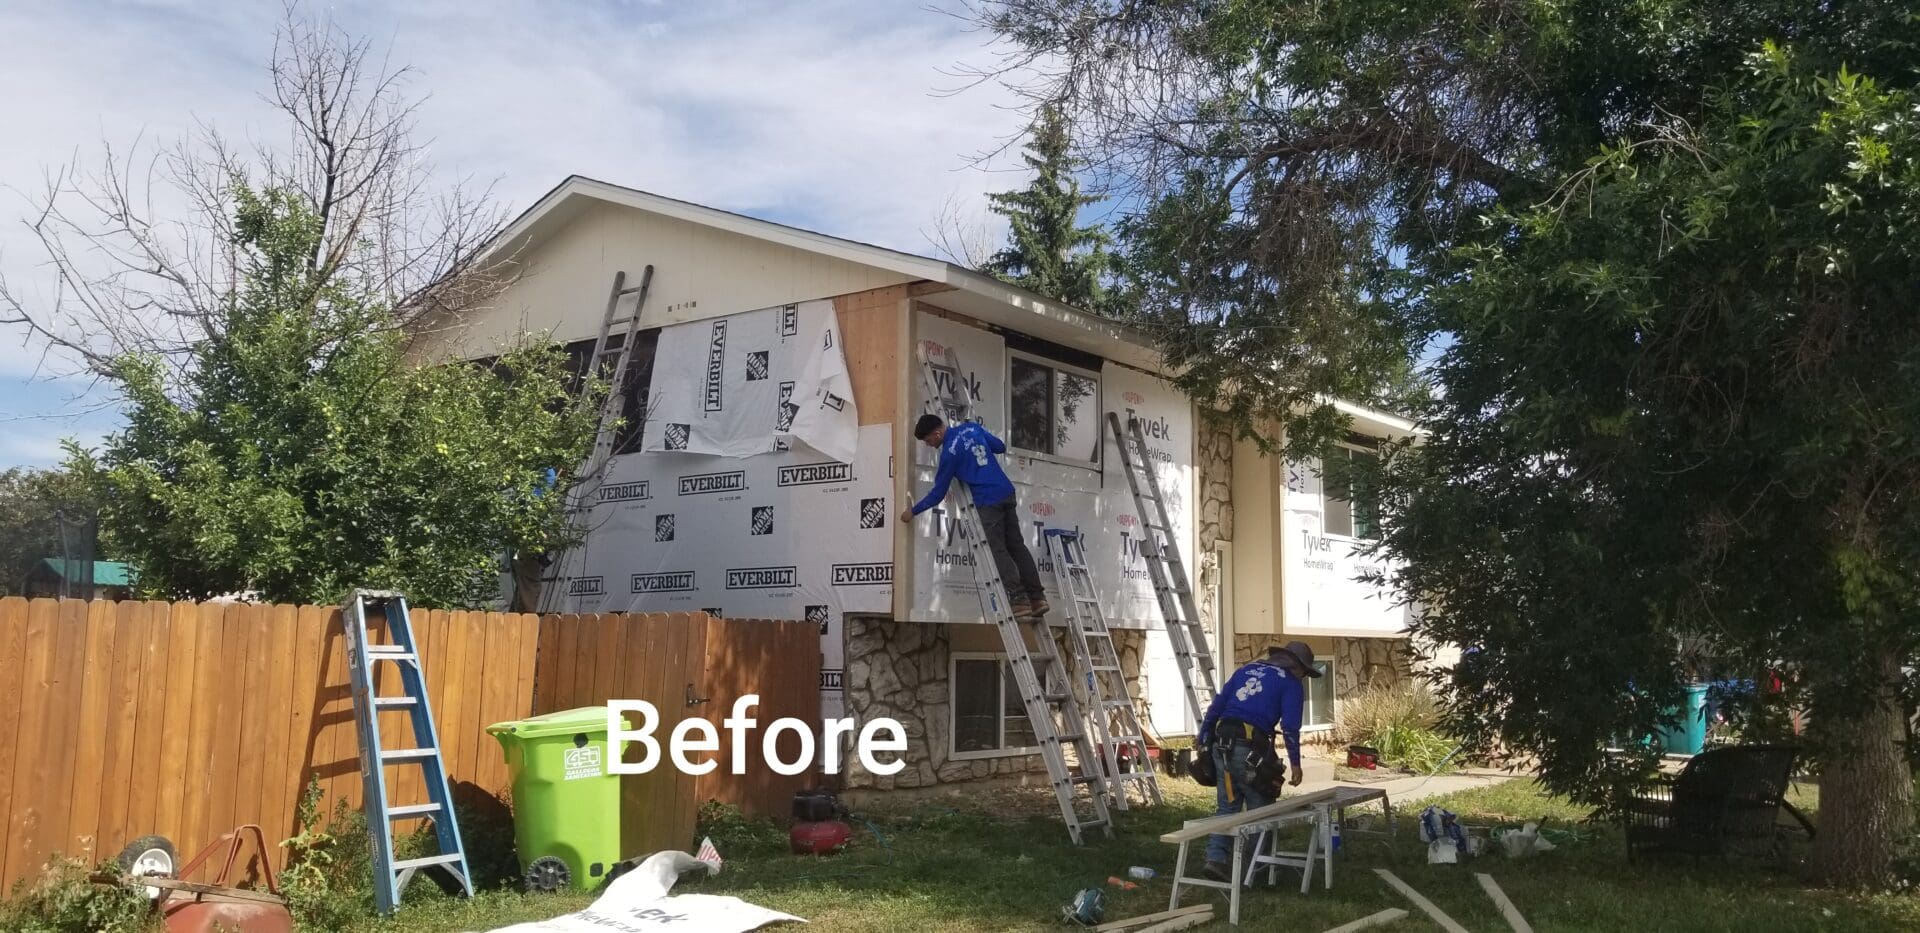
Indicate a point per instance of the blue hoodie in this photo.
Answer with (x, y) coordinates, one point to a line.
(968, 452)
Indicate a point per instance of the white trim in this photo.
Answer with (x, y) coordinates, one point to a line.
(953, 709)
(1333, 696)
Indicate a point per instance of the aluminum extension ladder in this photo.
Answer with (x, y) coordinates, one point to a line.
(1160, 548)
(586, 489)
(1045, 686)
(390, 875)
(1115, 721)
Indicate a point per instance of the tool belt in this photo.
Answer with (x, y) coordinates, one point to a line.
(1268, 770)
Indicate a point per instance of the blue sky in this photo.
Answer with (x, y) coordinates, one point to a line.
(835, 115)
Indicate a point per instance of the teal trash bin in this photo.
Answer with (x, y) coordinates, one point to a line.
(1686, 730)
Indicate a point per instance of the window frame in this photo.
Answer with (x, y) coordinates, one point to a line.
(1056, 367)
(1326, 668)
(1003, 675)
(1327, 498)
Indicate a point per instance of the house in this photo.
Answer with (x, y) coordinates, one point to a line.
(772, 391)
(54, 577)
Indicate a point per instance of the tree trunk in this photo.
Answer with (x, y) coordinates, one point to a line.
(1866, 788)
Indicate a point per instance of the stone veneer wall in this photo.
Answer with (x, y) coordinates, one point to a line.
(900, 670)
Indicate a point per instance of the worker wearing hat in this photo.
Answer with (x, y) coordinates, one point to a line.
(1264, 696)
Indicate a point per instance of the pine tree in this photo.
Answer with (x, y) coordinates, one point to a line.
(1048, 251)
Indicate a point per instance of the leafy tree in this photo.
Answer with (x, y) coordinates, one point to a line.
(1657, 456)
(31, 503)
(1048, 251)
(306, 455)
(279, 438)
(1677, 405)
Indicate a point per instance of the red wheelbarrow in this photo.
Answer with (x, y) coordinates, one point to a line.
(193, 907)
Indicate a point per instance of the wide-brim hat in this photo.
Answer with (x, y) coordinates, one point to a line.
(1301, 654)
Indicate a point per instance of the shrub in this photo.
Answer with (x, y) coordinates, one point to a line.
(329, 876)
(1402, 724)
(63, 900)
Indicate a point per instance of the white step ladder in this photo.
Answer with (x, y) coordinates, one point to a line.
(1160, 548)
(1114, 719)
(611, 353)
(1039, 672)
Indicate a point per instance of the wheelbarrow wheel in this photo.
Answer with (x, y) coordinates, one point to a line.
(548, 873)
(149, 855)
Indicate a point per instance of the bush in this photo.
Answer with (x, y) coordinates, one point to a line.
(329, 876)
(63, 900)
(1372, 713)
(1401, 724)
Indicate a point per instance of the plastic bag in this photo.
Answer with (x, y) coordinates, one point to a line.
(1445, 838)
(1523, 842)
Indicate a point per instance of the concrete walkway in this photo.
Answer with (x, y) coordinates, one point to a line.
(1403, 791)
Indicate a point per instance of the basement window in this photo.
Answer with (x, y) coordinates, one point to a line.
(1053, 410)
(1319, 705)
(989, 720)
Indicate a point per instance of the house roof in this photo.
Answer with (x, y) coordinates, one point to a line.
(978, 296)
(105, 572)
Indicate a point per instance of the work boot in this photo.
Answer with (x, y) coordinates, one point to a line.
(1040, 607)
(1022, 610)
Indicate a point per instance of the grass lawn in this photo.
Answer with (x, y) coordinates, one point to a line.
(998, 862)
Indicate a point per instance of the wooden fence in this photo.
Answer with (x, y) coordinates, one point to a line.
(120, 719)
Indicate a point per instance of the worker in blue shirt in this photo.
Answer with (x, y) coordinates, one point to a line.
(968, 451)
(1265, 695)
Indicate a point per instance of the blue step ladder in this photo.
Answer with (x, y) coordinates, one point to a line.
(390, 875)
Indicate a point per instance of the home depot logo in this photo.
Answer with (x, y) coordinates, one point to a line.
(814, 474)
(1125, 520)
(1041, 508)
(862, 574)
(626, 492)
(716, 366)
(761, 578)
(704, 483)
(761, 520)
(1133, 398)
(677, 581)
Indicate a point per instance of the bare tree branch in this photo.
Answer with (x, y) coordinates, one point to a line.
(141, 248)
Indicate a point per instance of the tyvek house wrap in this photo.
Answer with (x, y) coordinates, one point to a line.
(753, 383)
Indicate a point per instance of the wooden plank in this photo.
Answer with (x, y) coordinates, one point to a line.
(89, 743)
(306, 701)
(1113, 925)
(1438, 916)
(528, 625)
(339, 746)
(1194, 829)
(1371, 920)
(1179, 923)
(203, 724)
(606, 659)
(498, 703)
(13, 640)
(1507, 910)
(142, 634)
(870, 323)
(174, 729)
(257, 707)
(35, 672)
(46, 745)
(228, 726)
(279, 779)
(546, 664)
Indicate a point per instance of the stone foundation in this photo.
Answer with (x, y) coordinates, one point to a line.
(1358, 663)
(900, 670)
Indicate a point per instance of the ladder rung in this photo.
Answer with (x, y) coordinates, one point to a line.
(1069, 737)
(409, 754)
(1128, 739)
(412, 810)
(391, 654)
(427, 861)
(394, 702)
(1084, 779)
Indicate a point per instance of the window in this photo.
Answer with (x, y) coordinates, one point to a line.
(1054, 409)
(639, 378)
(988, 717)
(1351, 508)
(1319, 712)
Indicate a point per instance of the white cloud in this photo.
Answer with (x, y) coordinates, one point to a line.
(824, 114)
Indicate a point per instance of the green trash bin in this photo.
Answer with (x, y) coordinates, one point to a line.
(566, 807)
